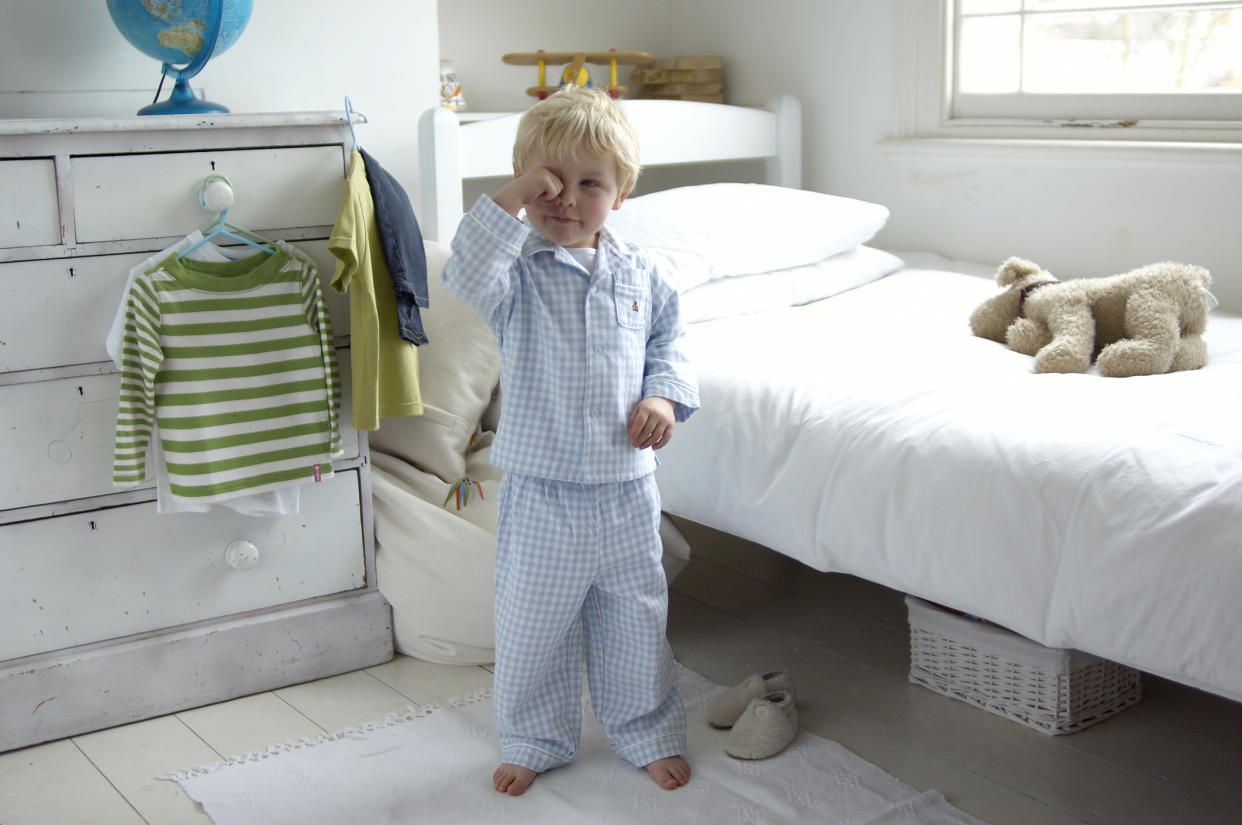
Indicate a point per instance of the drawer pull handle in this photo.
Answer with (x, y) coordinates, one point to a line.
(216, 193)
(241, 555)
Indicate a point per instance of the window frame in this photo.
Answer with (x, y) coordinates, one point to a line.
(926, 104)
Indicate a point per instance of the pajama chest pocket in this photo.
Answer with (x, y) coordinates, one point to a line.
(632, 309)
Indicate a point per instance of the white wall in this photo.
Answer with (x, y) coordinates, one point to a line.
(64, 58)
(1077, 216)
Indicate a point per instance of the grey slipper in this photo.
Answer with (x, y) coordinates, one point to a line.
(767, 726)
(724, 712)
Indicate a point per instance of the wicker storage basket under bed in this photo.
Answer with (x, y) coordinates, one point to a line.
(1052, 690)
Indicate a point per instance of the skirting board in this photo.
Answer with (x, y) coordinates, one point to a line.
(75, 691)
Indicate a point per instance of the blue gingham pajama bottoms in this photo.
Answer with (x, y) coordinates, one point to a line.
(579, 580)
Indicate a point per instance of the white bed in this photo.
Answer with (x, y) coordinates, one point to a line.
(868, 432)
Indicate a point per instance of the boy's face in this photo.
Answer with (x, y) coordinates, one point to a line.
(589, 192)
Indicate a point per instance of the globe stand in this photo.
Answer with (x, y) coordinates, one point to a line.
(182, 102)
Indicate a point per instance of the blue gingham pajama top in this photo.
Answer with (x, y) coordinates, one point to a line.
(577, 350)
(578, 572)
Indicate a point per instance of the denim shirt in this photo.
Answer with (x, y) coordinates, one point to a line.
(402, 242)
(578, 349)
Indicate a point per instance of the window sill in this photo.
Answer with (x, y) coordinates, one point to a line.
(1051, 149)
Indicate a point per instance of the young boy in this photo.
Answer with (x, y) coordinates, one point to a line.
(594, 374)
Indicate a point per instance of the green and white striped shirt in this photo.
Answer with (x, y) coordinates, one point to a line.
(236, 363)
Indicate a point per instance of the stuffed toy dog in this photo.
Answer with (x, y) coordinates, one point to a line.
(1144, 322)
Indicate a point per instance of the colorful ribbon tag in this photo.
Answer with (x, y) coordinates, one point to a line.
(461, 489)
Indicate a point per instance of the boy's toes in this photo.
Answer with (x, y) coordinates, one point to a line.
(670, 773)
(512, 779)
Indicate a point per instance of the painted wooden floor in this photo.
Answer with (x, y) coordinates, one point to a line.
(1174, 758)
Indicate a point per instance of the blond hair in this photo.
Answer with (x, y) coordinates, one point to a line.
(578, 118)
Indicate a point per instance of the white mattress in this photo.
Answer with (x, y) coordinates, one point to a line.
(870, 433)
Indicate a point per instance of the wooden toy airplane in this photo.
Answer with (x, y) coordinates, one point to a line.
(576, 74)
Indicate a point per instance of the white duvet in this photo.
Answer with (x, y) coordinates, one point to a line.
(870, 433)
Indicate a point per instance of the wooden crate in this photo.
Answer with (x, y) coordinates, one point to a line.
(689, 77)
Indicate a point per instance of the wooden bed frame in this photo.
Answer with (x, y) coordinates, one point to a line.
(673, 132)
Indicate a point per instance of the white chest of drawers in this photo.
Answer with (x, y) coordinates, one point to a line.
(110, 612)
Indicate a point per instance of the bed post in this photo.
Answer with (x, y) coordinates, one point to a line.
(784, 168)
(439, 169)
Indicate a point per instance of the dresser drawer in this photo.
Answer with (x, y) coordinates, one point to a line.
(122, 197)
(88, 577)
(57, 312)
(58, 437)
(28, 205)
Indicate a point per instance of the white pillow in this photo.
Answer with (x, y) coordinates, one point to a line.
(458, 368)
(698, 234)
(787, 287)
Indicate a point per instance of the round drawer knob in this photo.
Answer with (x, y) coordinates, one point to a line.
(241, 555)
(216, 194)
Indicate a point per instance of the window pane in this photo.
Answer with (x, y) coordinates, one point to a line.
(1098, 63)
(990, 55)
(1073, 5)
(1136, 51)
(989, 6)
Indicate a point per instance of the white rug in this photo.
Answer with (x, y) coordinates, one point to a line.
(434, 765)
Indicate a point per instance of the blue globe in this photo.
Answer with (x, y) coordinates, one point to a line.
(176, 31)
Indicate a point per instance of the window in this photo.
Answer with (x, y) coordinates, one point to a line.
(1071, 59)
(1021, 68)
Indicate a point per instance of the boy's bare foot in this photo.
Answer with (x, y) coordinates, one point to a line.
(514, 779)
(670, 773)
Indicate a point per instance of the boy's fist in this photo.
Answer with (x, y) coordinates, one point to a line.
(651, 423)
(537, 185)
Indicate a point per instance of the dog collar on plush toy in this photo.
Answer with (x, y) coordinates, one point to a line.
(1025, 292)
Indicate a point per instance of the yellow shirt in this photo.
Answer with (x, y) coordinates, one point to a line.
(384, 365)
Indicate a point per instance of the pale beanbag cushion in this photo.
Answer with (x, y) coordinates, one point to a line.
(458, 368)
(697, 234)
(436, 564)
